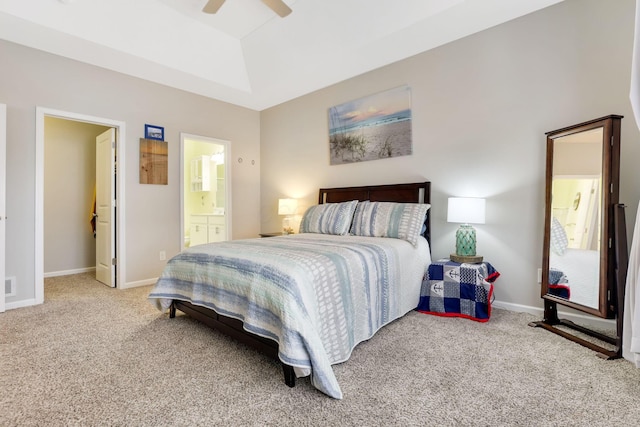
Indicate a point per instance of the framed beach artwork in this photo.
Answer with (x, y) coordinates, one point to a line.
(374, 127)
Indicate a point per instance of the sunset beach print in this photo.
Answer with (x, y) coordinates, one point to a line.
(371, 128)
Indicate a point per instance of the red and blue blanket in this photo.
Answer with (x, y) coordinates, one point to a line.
(558, 283)
(458, 290)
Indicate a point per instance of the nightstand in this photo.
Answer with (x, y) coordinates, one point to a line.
(458, 290)
(277, 233)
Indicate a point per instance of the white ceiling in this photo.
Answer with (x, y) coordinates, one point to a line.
(246, 54)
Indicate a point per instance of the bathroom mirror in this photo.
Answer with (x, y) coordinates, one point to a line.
(579, 263)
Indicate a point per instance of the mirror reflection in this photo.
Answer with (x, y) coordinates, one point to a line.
(584, 250)
(576, 210)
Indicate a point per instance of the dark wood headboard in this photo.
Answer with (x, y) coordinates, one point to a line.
(419, 192)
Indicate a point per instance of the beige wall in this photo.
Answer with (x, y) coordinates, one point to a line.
(30, 78)
(481, 107)
(576, 158)
(69, 182)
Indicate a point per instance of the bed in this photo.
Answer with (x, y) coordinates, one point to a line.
(575, 275)
(308, 299)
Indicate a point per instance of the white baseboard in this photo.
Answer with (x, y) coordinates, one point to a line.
(516, 307)
(32, 301)
(139, 283)
(68, 272)
(20, 304)
(539, 312)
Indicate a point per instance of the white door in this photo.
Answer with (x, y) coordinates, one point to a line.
(3, 218)
(105, 206)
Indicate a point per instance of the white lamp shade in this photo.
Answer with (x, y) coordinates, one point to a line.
(466, 210)
(287, 206)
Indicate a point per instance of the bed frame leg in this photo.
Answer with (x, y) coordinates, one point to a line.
(289, 375)
(172, 311)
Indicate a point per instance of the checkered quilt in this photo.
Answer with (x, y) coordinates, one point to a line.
(459, 290)
(558, 283)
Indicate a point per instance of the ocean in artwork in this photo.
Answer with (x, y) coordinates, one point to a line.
(371, 128)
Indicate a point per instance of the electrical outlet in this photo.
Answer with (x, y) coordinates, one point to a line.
(163, 255)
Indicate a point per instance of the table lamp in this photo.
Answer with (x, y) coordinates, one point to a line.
(287, 207)
(466, 210)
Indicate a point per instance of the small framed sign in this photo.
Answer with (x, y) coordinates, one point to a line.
(154, 132)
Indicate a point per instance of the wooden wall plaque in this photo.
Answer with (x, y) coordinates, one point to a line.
(154, 162)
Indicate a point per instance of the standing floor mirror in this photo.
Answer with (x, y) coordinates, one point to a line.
(585, 257)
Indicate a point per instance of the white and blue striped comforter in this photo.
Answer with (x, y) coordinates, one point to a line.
(317, 295)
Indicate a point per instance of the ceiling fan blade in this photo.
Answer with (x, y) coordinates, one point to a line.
(212, 6)
(278, 6)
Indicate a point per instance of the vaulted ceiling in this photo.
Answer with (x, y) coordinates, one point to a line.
(245, 54)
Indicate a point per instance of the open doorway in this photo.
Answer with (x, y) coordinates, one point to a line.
(69, 193)
(206, 202)
(83, 160)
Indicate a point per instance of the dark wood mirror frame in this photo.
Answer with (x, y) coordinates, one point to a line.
(612, 244)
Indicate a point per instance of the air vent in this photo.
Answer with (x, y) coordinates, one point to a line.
(10, 286)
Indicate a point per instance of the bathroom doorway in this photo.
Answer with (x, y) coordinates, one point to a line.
(205, 183)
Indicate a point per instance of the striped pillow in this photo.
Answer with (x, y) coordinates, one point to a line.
(388, 219)
(559, 240)
(328, 218)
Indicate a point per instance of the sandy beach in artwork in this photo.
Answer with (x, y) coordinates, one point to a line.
(383, 141)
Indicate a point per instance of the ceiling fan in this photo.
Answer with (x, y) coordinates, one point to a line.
(278, 6)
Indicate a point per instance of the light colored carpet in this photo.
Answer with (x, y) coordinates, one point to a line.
(97, 356)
